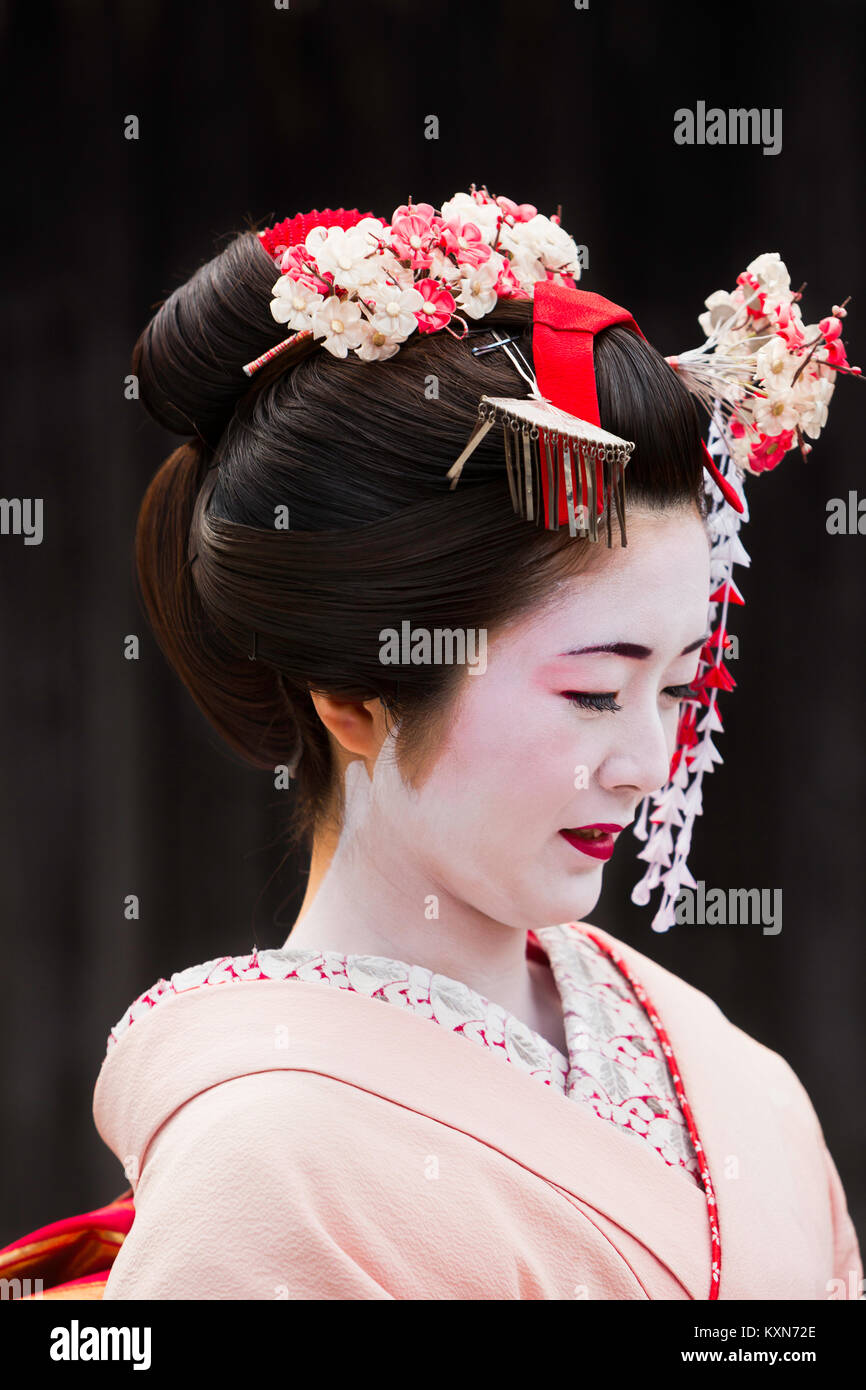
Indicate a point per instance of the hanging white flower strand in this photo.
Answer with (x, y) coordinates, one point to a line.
(680, 801)
(766, 379)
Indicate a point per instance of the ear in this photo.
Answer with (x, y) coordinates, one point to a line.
(358, 726)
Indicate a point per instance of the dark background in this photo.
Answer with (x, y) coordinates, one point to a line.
(112, 783)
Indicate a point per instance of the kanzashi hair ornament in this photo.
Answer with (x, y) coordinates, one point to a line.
(252, 367)
(543, 442)
(360, 284)
(766, 379)
(350, 282)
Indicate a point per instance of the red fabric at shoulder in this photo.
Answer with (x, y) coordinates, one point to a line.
(70, 1253)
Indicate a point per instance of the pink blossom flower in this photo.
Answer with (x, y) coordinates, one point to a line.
(465, 242)
(789, 324)
(413, 231)
(300, 265)
(439, 305)
(768, 452)
(294, 258)
(517, 212)
(833, 351)
(508, 286)
(835, 354)
(754, 296)
(560, 279)
(426, 211)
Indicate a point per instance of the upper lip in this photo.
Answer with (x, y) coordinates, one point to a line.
(598, 825)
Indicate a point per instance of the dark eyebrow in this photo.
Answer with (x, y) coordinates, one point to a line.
(632, 649)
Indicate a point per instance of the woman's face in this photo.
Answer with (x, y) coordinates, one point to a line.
(520, 759)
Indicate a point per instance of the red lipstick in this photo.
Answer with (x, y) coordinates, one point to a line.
(595, 840)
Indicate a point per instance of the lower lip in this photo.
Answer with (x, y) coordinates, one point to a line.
(600, 848)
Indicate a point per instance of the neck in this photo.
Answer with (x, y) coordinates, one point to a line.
(371, 901)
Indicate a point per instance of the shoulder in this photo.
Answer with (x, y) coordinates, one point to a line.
(286, 1162)
(207, 1024)
(295, 1185)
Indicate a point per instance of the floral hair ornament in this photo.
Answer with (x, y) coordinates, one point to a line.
(766, 379)
(355, 283)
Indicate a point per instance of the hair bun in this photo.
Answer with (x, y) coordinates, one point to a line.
(189, 359)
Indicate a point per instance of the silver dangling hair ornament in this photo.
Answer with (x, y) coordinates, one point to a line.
(575, 454)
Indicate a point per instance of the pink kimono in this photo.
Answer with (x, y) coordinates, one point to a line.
(289, 1140)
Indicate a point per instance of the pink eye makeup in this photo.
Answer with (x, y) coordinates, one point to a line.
(607, 702)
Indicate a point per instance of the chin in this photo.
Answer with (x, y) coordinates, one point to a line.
(583, 891)
(569, 904)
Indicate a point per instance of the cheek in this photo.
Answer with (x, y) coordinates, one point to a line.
(509, 760)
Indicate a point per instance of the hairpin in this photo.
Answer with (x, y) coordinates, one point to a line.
(546, 448)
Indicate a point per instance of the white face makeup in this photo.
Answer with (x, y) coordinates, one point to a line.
(520, 761)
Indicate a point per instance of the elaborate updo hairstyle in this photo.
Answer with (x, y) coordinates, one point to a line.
(358, 452)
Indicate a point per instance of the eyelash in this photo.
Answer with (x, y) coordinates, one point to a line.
(606, 702)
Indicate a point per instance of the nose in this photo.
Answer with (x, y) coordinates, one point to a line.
(639, 756)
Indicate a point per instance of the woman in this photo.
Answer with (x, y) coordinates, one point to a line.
(538, 1111)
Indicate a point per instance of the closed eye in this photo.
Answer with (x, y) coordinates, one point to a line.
(606, 701)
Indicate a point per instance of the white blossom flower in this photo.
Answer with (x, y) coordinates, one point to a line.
(395, 311)
(376, 346)
(815, 400)
(722, 309)
(466, 209)
(477, 295)
(386, 269)
(771, 273)
(348, 255)
(338, 322)
(774, 364)
(546, 241)
(740, 450)
(776, 413)
(527, 267)
(443, 268)
(294, 303)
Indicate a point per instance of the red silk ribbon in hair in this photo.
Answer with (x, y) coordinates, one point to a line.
(564, 322)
